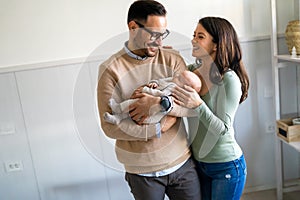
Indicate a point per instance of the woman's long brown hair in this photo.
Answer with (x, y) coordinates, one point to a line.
(228, 55)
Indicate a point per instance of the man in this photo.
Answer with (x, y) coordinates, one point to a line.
(155, 164)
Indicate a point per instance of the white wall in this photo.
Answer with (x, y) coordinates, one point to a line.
(58, 163)
(34, 31)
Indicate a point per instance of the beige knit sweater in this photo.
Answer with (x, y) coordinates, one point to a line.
(141, 151)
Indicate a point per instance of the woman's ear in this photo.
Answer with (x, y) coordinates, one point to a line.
(215, 47)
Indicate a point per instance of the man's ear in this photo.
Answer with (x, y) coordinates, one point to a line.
(133, 27)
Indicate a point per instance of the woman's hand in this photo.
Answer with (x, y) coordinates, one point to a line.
(186, 97)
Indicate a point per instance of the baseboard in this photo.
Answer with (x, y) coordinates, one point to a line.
(259, 188)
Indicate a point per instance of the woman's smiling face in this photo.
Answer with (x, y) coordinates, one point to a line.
(203, 44)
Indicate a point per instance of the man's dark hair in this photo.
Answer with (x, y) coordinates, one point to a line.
(141, 9)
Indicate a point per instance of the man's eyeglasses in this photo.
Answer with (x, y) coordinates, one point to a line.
(154, 35)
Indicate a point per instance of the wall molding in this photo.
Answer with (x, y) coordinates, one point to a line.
(49, 64)
(80, 60)
(259, 38)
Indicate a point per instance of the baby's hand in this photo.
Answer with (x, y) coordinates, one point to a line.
(152, 85)
(137, 91)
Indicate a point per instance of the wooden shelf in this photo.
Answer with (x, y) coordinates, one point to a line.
(295, 144)
(288, 58)
(280, 61)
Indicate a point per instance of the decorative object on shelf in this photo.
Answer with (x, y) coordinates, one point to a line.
(288, 131)
(292, 36)
(296, 121)
(294, 52)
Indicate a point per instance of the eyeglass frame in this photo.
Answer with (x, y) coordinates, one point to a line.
(153, 33)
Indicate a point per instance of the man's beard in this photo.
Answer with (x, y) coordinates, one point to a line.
(154, 51)
(145, 49)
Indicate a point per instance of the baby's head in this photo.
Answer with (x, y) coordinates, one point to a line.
(188, 78)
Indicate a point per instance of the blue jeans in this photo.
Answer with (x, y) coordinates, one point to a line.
(222, 181)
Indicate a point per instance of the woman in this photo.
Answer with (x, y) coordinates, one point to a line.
(225, 83)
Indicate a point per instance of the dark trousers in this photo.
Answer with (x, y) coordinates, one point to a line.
(183, 184)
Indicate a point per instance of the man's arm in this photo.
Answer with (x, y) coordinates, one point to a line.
(127, 129)
(167, 122)
(147, 105)
(168, 104)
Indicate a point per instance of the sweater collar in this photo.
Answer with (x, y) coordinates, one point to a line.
(132, 55)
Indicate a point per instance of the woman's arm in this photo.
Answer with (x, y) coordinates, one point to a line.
(219, 121)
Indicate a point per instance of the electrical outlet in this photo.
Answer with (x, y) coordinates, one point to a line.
(13, 166)
(7, 128)
(270, 127)
(268, 92)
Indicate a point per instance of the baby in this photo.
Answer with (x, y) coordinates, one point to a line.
(160, 87)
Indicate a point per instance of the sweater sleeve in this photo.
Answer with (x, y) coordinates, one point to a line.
(127, 129)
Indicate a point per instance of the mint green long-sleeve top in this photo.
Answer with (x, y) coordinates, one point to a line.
(214, 139)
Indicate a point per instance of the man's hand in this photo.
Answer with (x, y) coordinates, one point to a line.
(167, 122)
(145, 106)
